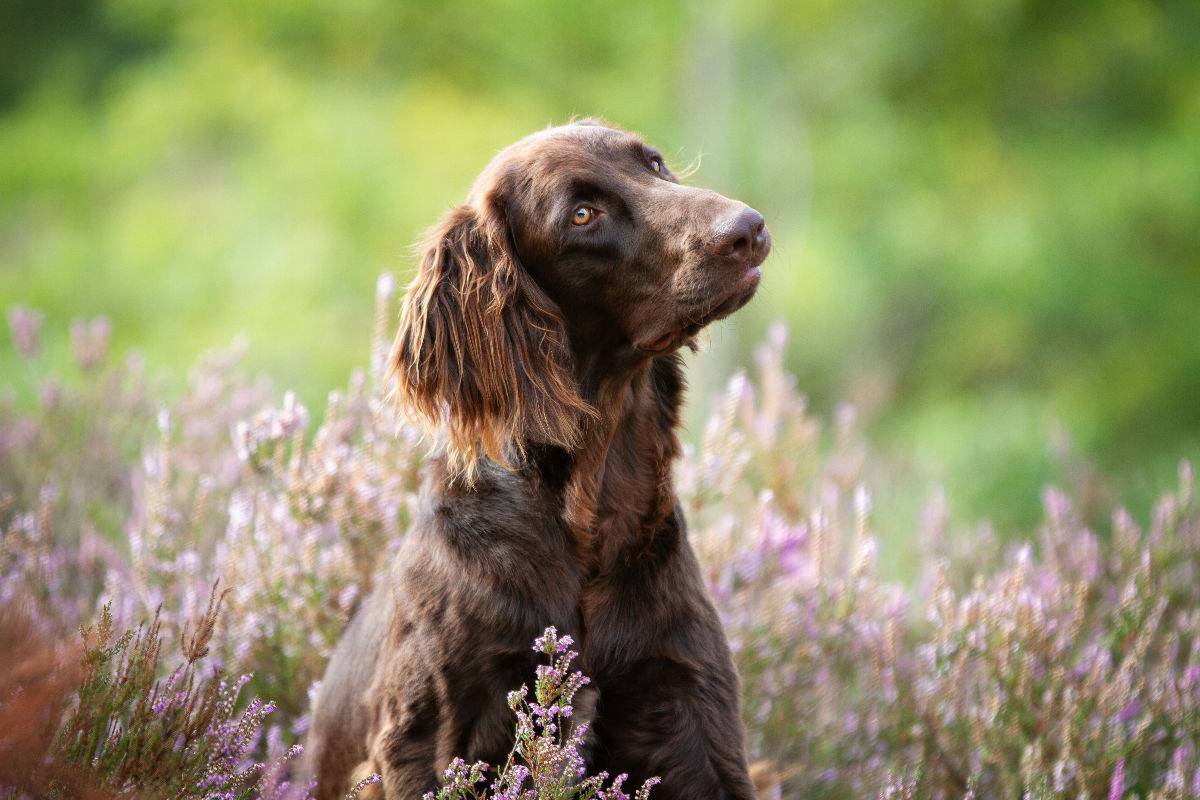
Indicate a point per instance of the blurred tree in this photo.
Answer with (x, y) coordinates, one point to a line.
(987, 212)
(75, 40)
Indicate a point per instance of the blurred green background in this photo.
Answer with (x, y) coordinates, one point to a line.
(986, 214)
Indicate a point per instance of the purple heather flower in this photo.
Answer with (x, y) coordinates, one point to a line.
(49, 394)
(90, 340)
(1116, 786)
(26, 327)
(1191, 677)
(347, 596)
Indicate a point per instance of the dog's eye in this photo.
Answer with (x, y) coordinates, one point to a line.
(582, 216)
(656, 165)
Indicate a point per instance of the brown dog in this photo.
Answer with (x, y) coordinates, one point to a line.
(540, 341)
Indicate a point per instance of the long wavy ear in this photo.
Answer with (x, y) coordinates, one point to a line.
(481, 353)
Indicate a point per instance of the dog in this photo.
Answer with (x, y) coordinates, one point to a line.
(539, 343)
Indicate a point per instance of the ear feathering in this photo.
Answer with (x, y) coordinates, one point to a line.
(481, 355)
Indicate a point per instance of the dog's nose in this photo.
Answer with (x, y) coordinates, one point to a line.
(742, 237)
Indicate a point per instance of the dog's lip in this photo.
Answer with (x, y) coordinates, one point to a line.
(660, 344)
(730, 302)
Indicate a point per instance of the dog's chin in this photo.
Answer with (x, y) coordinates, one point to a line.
(664, 341)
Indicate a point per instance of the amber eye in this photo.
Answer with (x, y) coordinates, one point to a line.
(656, 165)
(582, 216)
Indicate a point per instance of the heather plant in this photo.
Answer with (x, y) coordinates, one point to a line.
(108, 725)
(223, 482)
(179, 736)
(1065, 665)
(781, 526)
(78, 444)
(545, 762)
(1076, 674)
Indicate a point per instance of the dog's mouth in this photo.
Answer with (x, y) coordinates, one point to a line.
(728, 303)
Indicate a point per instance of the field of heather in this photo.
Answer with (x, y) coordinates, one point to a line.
(210, 544)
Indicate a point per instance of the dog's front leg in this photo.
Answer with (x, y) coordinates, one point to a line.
(669, 694)
(678, 721)
(404, 744)
(444, 708)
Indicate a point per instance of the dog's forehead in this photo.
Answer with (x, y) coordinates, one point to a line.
(556, 150)
(575, 140)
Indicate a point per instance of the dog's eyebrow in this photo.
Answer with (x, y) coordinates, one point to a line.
(594, 188)
(646, 152)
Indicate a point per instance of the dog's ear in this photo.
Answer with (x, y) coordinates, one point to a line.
(481, 353)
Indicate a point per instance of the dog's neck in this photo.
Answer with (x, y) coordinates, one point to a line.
(620, 492)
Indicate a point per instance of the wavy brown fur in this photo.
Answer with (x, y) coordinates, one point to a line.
(481, 352)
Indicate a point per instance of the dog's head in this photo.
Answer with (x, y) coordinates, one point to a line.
(576, 252)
